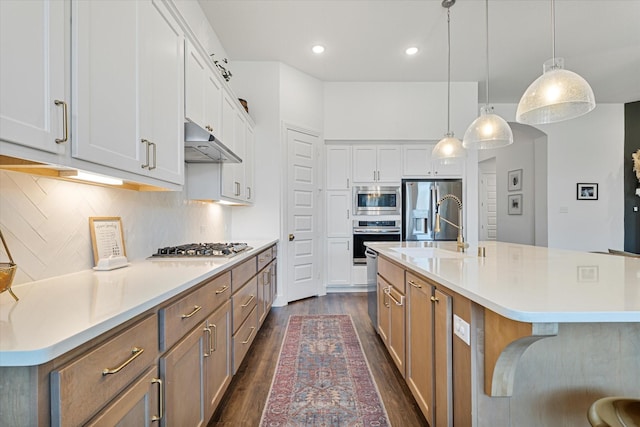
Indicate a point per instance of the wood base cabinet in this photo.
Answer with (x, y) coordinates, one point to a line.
(391, 310)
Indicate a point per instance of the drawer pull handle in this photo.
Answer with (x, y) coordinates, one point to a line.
(222, 290)
(414, 284)
(246, 304)
(435, 299)
(253, 328)
(160, 399)
(398, 303)
(207, 330)
(196, 308)
(135, 352)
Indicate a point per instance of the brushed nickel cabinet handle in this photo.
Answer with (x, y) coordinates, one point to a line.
(160, 399)
(135, 351)
(196, 308)
(246, 304)
(248, 193)
(155, 156)
(374, 175)
(249, 337)
(144, 141)
(414, 284)
(65, 122)
(222, 290)
(215, 338)
(208, 331)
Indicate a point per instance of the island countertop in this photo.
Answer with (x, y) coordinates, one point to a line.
(58, 314)
(529, 283)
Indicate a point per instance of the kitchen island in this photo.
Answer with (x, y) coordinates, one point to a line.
(128, 344)
(532, 335)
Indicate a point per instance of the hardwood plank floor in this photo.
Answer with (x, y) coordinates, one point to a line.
(244, 401)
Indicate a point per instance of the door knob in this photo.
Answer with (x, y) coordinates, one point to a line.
(291, 237)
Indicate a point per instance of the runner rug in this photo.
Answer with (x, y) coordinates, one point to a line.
(322, 377)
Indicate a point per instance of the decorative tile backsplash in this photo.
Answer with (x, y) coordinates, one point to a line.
(46, 222)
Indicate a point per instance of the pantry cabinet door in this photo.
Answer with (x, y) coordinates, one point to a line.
(32, 73)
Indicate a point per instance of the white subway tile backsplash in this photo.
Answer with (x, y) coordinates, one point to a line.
(46, 222)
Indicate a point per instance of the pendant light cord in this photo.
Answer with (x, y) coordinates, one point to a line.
(449, 72)
(553, 32)
(487, 48)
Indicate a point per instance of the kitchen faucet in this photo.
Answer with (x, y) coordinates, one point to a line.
(460, 245)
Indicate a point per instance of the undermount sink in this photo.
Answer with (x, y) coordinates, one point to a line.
(430, 252)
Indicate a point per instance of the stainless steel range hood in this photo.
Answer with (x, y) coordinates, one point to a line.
(201, 146)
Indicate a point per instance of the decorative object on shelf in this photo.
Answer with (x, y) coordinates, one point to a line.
(449, 149)
(515, 204)
(489, 130)
(515, 180)
(587, 191)
(107, 239)
(558, 94)
(244, 104)
(7, 271)
(226, 74)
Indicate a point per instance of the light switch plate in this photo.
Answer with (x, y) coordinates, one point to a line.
(461, 329)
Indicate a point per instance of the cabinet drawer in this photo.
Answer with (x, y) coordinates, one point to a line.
(82, 387)
(419, 283)
(393, 273)
(264, 258)
(243, 339)
(243, 302)
(183, 315)
(242, 273)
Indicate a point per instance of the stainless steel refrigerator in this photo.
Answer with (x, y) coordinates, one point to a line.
(419, 198)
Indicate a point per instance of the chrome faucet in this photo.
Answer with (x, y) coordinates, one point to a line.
(460, 245)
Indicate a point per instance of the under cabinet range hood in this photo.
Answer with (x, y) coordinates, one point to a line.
(201, 146)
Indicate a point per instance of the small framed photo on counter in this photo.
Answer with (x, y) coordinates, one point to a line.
(587, 191)
(107, 239)
(515, 204)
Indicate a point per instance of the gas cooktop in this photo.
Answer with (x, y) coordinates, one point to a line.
(202, 250)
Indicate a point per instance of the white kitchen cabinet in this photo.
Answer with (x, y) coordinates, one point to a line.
(378, 164)
(339, 214)
(128, 87)
(233, 179)
(249, 164)
(417, 163)
(338, 167)
(32, 74)
(228, 118)
(339, 261)
(203, 90)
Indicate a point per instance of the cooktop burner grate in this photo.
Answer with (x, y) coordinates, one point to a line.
(202, 250)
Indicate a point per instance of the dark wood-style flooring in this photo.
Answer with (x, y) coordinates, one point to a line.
(246, 396)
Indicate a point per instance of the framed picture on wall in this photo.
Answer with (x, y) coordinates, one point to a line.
(515, 204)
(515, 180)
(587, 191)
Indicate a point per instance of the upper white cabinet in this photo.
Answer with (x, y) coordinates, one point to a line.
(233, 182)
(376, 164)
(417, 163)
(128, 87)
(32, 74)
(338, 167)
(249, 164)
(203, 91)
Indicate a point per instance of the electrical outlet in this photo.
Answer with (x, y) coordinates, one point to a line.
(461, 329)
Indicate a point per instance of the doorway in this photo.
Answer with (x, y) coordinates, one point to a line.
(488, 203)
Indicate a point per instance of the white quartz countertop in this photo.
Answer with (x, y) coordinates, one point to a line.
(58, 314)
(530, 283)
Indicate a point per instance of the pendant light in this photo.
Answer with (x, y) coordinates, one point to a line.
(489, 130)
(558, 94)
(449, 148)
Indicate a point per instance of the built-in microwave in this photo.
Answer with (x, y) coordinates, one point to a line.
(374, 200)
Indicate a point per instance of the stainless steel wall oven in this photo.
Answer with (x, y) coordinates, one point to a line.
(372, 231)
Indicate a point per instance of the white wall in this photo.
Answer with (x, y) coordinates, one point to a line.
(302, 101)
(46, 222)
(587, 149)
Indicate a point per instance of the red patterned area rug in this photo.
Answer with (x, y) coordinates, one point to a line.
(322, 377)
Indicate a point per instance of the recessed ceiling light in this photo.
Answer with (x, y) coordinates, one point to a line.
(411, 50)
(318, 49)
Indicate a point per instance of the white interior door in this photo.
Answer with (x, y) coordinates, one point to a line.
(302, 215)
(488, 206)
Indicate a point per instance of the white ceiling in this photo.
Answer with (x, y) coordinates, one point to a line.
(365, 40)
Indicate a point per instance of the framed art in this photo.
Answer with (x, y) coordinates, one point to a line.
(515, 180)
(107, 238)
(515, 204)
(587, 191)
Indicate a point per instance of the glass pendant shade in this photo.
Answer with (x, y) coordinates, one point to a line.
(487, 131)
(555, 96)
(448, 150)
